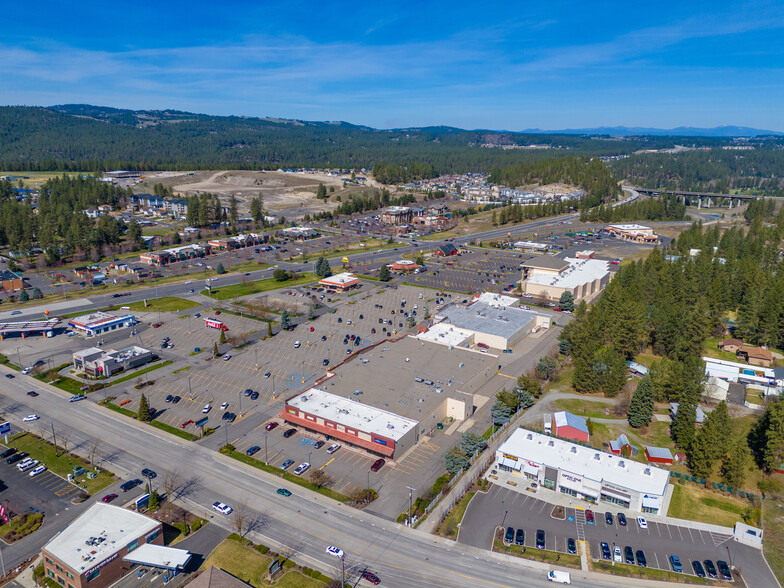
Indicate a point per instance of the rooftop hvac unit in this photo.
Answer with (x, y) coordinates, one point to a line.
(574, 450)
(551, 443)
(529, 436)
(597, 457)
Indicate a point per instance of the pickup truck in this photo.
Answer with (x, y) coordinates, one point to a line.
(560, 577)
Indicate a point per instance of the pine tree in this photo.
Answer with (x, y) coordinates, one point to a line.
(284, 319)
(494, 219)
(500, 413)
(642, 404)
(222, 338)
(699, 454)
(682, 428)
(321, 192)
(383, 273)
(24, 296)
(269, 328)
(419, 260)
(233, 208)
(566, 302)
(144, 410)
(766, 438)
(215, 349)
(219, 269)
(735, 464)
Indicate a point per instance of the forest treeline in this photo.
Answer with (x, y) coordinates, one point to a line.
(714, 170)
(661, 208)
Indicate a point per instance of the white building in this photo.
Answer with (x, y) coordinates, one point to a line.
(584, 472)
(732, 371)
(550, 277)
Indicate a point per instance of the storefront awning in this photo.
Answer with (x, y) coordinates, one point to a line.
(158, 556)
(616, 494)
(510, 463)
(651, 502)
(529, 469)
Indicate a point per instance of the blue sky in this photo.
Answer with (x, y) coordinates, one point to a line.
(499, 65)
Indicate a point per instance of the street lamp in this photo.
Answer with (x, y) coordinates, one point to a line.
(410, 503)
(266, 460)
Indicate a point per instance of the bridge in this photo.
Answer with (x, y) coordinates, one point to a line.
(709, 197)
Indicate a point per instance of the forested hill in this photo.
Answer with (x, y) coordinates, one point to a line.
(85, 137)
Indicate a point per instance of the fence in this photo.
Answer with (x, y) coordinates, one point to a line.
(716, 486)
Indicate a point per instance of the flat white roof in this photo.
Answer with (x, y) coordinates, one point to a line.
(159, 556)
(483, 318)
(352, 414)
(496, 300)
(96, 319)
(340, 279)
(587, 462)
(445, 334)
(579, 272)
(631, 227)
(96, 535)
(729, 365)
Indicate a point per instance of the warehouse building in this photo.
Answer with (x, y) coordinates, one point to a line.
(584, 472)
(96, 549)
(98, 323)
(497, 327)
(549, 277)
(99, 363)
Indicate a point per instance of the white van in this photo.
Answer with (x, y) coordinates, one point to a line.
(560, 577)
(23, 463)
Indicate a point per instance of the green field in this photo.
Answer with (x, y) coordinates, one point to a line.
(585, 408)
(58, 462)
(694, 503)
(239, 290)
(164, 304)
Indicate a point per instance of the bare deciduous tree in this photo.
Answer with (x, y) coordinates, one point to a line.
(240, 518)
(320, 478)
(93, 451)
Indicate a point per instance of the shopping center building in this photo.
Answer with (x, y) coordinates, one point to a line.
(584, 472)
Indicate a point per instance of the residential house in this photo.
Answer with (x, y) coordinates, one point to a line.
(756, 356)
(730, 345)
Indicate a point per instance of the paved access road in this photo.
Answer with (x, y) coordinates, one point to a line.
(302, 524)
(510, 508)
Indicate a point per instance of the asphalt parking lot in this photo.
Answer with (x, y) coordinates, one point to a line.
(507, 507)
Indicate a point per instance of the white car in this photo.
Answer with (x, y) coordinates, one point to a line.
(617, 554)
(333, 448)
(29, 465)
(31, 417)
(297, 344)
(302, 468)
(39, 470)
(642, 522)
(26, 371)
(207, 408)
(336, 551)
(224, 406)
(222, 508)
(227, 357)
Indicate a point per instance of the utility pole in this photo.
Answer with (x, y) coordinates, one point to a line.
(410, 503)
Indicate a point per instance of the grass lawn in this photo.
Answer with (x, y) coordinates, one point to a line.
(451, 523)
(552, 557)
(711, 349)
(693, 503)
(136, 374)
(69, 385)
(773, 523)
(60, 464)
(646, 573)
(658, 434)
(165, 304)
(238, 290)
(250, 566)
(584, 408)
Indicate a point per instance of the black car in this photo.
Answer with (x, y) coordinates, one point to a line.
(509, 537)
(606, 551)
(628, 555)
(318, 445)
(710, 569)
(130, 485)
(8, 452)
(252, 450)
(698, 569)
(248, 392)
(10, 376)
(254, 395)
(520, 537)
(289, 433)
(176, 399)
(641, 561)
(225, 416)
(608, 518)
(621, 519)
(32, 393)
(325, 362)
(571, 546)
(540, 539)
(231, 416)
(16, 457)
(724, 570)
(148, 473)
(169, 398)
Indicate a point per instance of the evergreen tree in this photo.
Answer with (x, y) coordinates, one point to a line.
(134, 235)
(766, 438)
(566, 302)
(545, 368)
(472, 444)
(455, 461)
(383, 273)
(37, 295)
(717, 430)
(494, 219)
(222, 338)
(682, 428)
(528, 385)
(642, 404)
(323, 269)
(219, 269)
(144, 410)
(284, 319)
(269, 328)
(321, 192)
(256, 209)
(500, 413)
(24, 296)
(735, 464)
(699, 454)
(419, 260)
(215, 349)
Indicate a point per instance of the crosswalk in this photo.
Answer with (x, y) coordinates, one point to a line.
(579, 521)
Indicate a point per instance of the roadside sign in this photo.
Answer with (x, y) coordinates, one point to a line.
(201, 422)
(345, 260)
(142, 501)
(5, 428)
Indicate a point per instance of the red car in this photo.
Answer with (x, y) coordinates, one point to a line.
(311, 329)
(108, 498)
(217, 312)
(371, 577)
(271, 425)
(185, 424)
(556, 309)
(589, 517)
(156, 325)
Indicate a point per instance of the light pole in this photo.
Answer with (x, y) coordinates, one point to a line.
(410, 503)
(241, 393)
(19, 358)
(368, 486)
(266, 460)
(190, 392)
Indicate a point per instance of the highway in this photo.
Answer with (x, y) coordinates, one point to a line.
(302, 524)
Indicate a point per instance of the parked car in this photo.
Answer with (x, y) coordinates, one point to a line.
(642, 522)
(617, 557)
(108, 498)
(520, 537)
(271, 425)
(571, 546)
(371, 577)
(621, 519)
(227, 357)
(248, 392)
(724, 570)
(286, 464)
(318, 445)
(38, 470)
(224, 406)
(302, 468)
(641, 561)
(509, 536)
(589, 517)
(333, 448)
(289, 433)
(628, 555)
(186, 423)
(130, 485)
(16, 457)
(608, 518)
(169, 398)
(252, 450)
(207, 408)
(710, 569)
(675, 562)
(605, 550)
(377, 465)
(540, 539)
(254, 395)
(8, 452)
(699, 571)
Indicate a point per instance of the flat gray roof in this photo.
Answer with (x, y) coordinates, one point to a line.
(546, 262)
(385, 375)
(483, 318)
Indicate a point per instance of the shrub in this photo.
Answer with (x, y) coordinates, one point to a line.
(235, 537)
(182, 528)
(262, 549)
(198, 524)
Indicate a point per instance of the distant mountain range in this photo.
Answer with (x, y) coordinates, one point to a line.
(723, 131)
